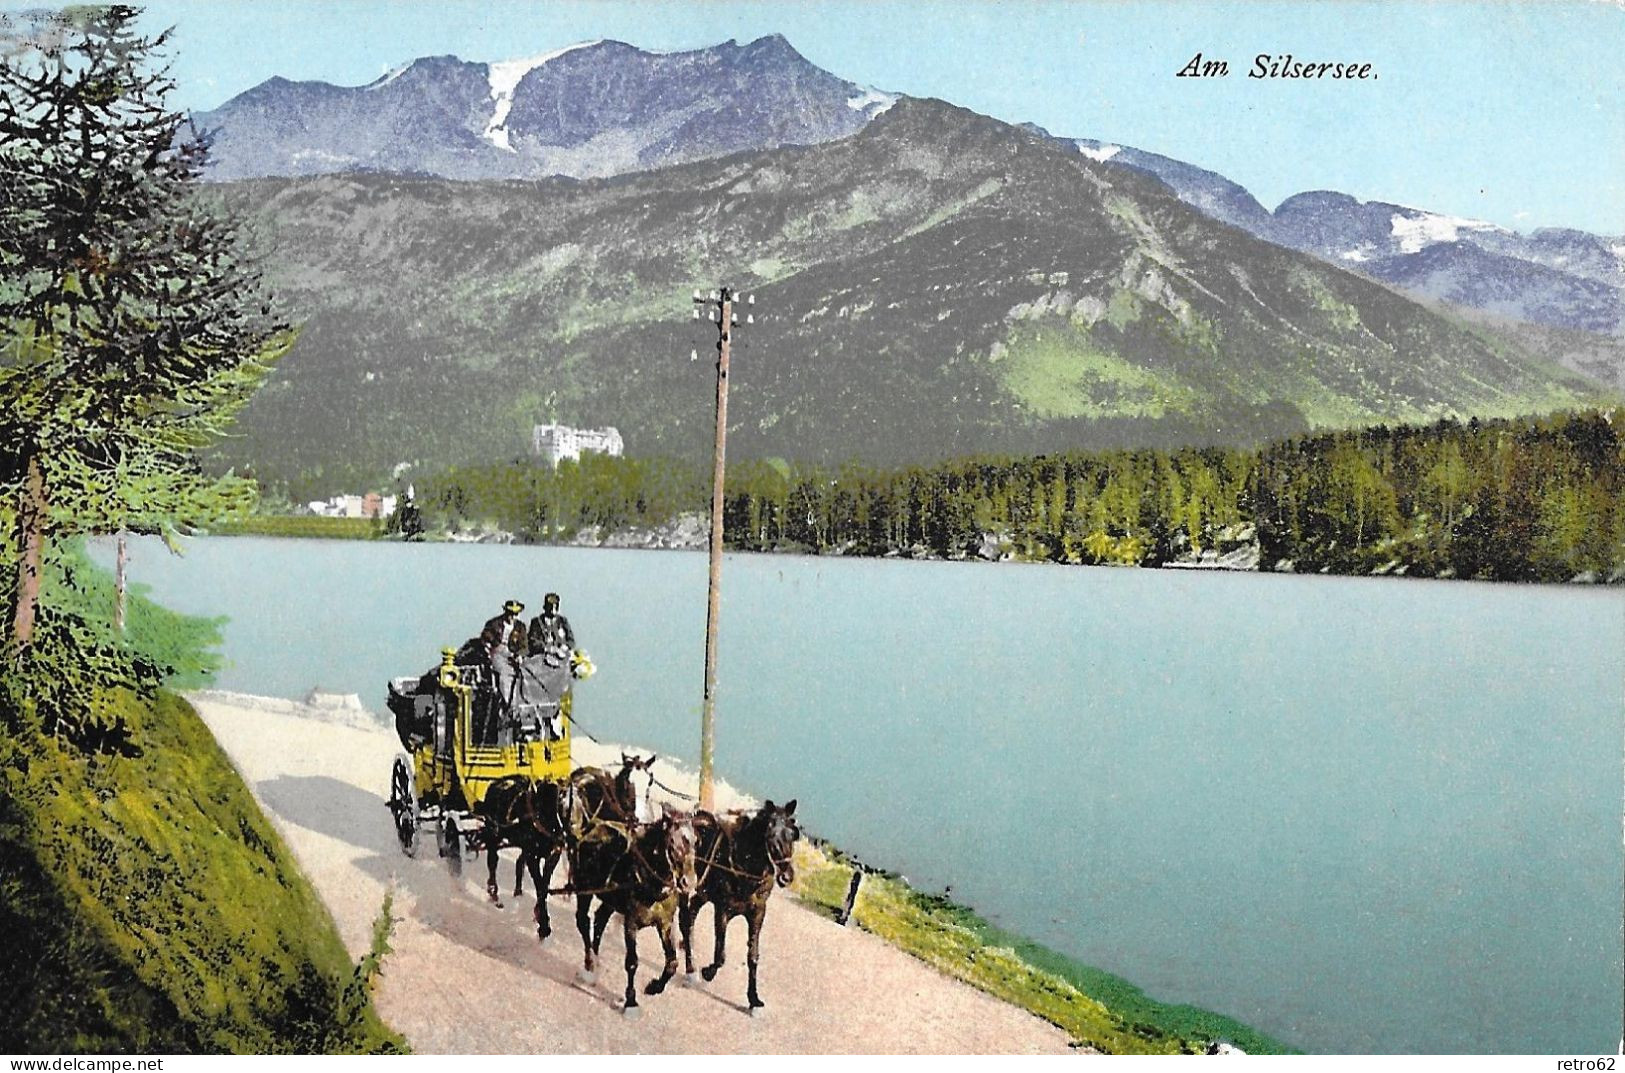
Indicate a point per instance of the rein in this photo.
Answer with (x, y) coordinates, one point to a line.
(712, 862)
(575, 724)
(669, 790)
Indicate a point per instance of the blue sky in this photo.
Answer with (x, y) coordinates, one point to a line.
(1507, 111)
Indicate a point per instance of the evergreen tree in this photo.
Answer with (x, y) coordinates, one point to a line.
(131, 327)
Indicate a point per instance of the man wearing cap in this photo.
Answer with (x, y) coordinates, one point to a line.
(550, 632)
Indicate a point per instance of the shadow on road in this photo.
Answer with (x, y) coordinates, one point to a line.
(331, 807)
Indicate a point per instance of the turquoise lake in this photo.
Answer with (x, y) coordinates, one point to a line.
(1362, 815)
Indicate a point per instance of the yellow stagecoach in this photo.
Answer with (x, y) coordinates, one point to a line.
(466, 725)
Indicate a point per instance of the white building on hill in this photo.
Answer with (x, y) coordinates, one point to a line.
(558, 442)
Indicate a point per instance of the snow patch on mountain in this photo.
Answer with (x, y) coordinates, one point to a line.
(1101, 155)
(505, 77)
(1424, 229)
(391, 76)
(322, 156)
(870, 97)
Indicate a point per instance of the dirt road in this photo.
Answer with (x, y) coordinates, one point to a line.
(466, 977)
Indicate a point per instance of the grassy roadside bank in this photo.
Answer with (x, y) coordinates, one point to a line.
(147, 904)
(150, 907)
(1097, 1009)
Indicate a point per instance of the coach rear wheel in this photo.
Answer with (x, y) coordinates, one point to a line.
(403, 805)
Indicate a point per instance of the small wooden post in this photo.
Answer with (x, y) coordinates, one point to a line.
(121, 562)
(851, 897)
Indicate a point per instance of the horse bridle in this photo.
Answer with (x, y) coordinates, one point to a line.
(780, 866)
(774, 864)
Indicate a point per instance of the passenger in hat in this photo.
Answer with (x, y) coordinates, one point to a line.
(550, 633)
(506, 630)
(500, 646)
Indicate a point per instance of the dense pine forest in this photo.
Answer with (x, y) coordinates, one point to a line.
(1531, 499)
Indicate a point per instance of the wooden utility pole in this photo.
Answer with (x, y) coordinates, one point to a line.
(725, 319)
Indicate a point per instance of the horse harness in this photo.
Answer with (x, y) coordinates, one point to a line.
(724, 834)
(627, 829)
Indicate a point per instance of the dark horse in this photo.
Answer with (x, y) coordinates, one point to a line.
(740, 858)
(532, 816)
(523, 813)
(639, 870)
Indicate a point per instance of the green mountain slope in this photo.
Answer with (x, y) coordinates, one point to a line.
(938, 284)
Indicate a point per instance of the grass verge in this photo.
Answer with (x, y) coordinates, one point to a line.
(1097, 1009)
(303, 525)
(146, 904)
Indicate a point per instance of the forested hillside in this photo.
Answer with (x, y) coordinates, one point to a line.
(1534, 499)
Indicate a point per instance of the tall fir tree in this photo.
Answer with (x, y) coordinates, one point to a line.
(132, 326)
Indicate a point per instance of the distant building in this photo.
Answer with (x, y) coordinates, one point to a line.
(558, 442)
(370, 505)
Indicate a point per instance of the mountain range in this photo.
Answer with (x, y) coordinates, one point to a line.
(594, 109)
(1557, 277)
(938, 283)
(604, 108)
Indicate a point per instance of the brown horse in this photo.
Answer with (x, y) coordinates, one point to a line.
(639, 870)
(740, 858)
(520, 812)
(533, 817)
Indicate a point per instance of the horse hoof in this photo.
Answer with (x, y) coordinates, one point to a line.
(756, 1011)
(709, 972)
(691, 979)
(585, 977)
(543, 936)
(631, 1013)
(654, 987)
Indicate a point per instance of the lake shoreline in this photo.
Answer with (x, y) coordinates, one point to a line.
(1215, 565)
